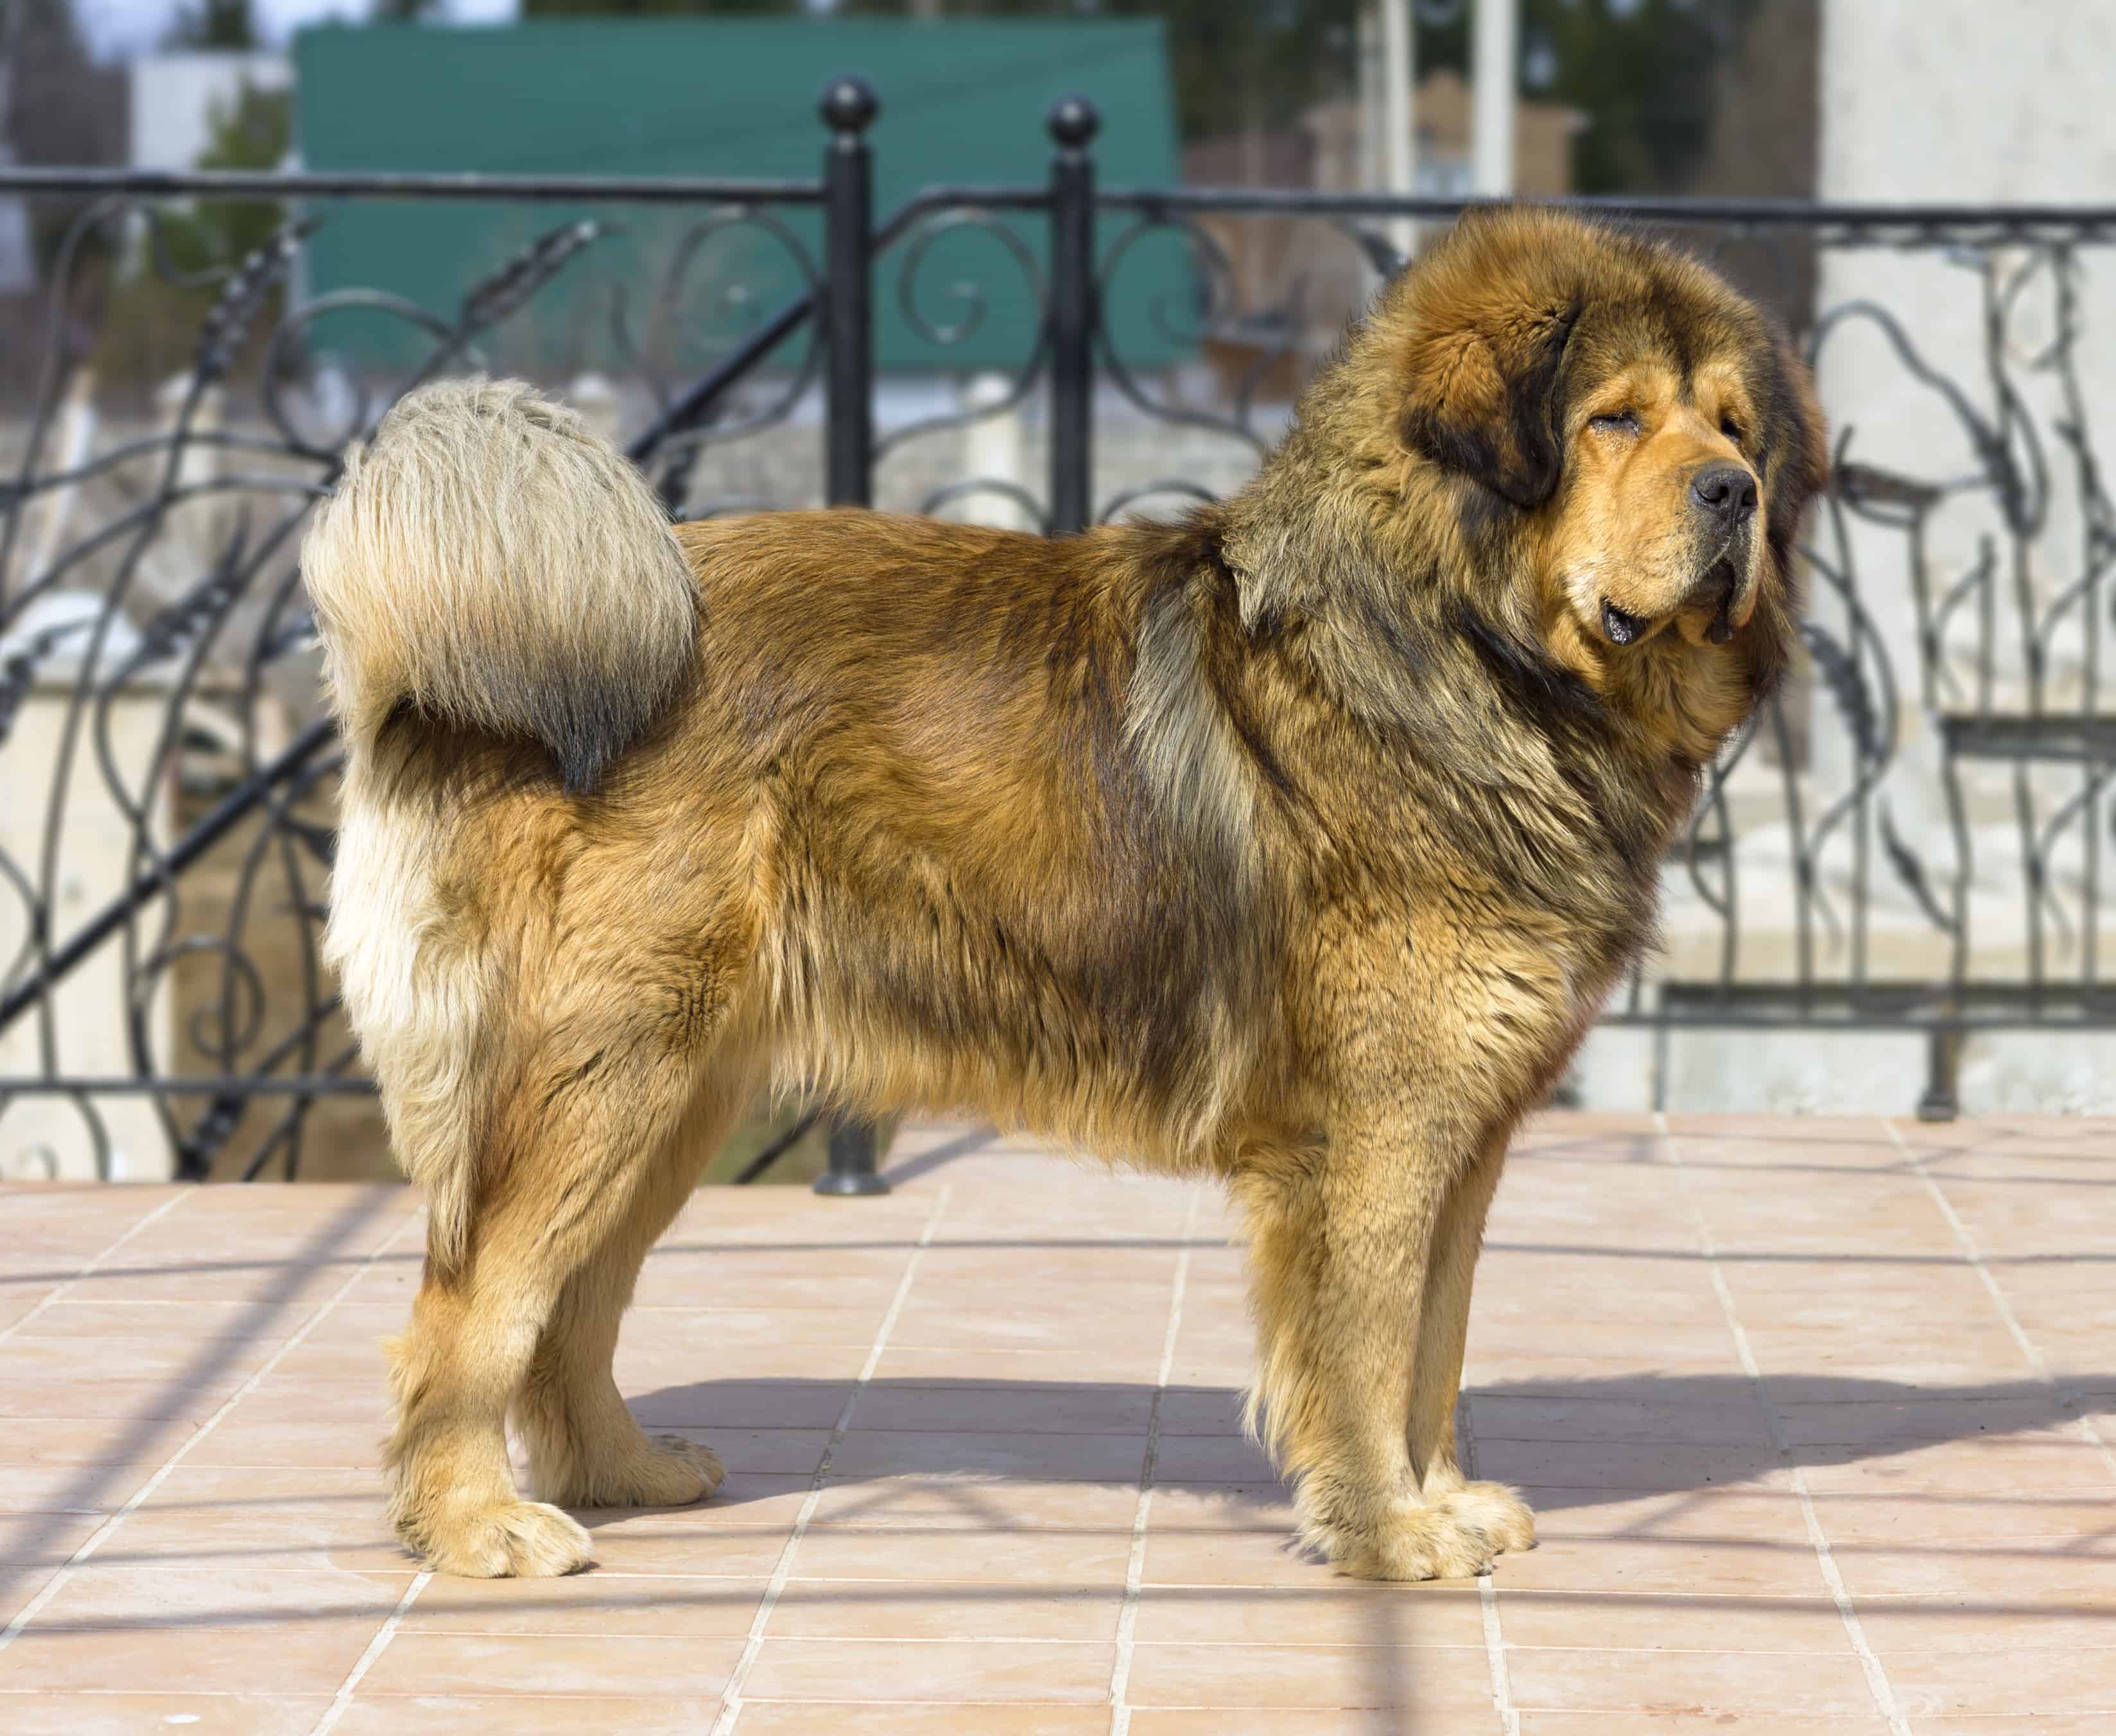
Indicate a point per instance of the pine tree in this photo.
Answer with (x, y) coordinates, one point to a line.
(215, 24)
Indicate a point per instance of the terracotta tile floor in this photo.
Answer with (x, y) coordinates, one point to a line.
(1817, 1416)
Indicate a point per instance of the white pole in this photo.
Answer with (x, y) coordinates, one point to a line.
(995, 447)
(1370, 100)
(1399, 125)
(77, 440)
(1492, 94)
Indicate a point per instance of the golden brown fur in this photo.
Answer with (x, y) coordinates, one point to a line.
(1296, 845)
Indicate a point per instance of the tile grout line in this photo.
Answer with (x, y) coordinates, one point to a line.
(57, 1293)
(1840, 1594)
(1495, 1655)
(104, 1533)
(376, 1647)
(731, 1701)
(1141, 1512)
(1488, 1592)
(1973, 1256)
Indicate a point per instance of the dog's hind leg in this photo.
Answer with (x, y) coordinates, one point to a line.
(574, 1147)
(586, 1449)
(1443, 1334)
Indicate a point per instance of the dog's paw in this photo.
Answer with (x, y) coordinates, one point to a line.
(513, 1540)
(1456, 1536)
(654, 1470)
(1498, 1512)
(669, 1471)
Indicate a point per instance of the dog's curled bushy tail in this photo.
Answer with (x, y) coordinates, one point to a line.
(489, 562)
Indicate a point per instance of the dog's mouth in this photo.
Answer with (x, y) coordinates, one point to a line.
(1728, 582)
(1622, 627)
(1719, 590)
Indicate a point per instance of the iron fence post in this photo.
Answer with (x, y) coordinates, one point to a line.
(1942, 1101)
(852, 1168)
(1073, 123)
(848, 108)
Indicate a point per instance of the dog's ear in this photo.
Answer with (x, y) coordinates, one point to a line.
(1487, 399)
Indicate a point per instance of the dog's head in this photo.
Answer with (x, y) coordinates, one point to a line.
(1609, 446)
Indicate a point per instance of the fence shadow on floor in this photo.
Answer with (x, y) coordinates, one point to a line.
(1594, 1442)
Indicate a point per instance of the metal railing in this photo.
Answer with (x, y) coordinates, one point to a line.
(170, 773)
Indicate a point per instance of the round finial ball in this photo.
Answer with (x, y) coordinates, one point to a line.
(849, 104)
(1073, 121)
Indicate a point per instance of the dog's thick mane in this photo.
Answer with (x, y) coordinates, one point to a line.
(1519, 763)
(1387, 548)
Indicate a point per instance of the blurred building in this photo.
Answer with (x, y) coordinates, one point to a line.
(175, 96)
(962, 100)
(18, 270)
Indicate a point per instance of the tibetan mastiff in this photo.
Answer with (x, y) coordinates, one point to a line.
(1296, 842)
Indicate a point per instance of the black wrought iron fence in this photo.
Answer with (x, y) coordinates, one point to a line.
(1910, 840)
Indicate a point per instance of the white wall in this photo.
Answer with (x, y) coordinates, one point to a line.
(1958, 102)
(1962, 102)
(172, 96)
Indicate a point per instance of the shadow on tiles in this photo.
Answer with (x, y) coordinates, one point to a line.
(1582, 1442)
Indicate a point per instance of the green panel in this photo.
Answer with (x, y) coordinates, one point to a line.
(961, 101)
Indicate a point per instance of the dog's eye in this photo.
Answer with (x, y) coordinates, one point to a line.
(1616, 422)
(1731, 428)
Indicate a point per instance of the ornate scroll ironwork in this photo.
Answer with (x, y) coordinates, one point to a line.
(163, 1000)
(1912, 839)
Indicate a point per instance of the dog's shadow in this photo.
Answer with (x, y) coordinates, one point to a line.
(1574, 1444)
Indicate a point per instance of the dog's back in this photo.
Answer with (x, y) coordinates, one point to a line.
(1012, 868)
(919, 814)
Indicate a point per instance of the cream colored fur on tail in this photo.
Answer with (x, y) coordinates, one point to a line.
(486, 562)
(489, 562)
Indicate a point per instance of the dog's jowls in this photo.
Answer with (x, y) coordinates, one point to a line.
(1294, 843)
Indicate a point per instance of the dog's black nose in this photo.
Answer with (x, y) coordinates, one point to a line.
(1727, 491)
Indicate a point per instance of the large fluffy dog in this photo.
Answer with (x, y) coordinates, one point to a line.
(1294, 843)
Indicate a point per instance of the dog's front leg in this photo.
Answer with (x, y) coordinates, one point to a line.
(1443, 1334)
(1340, 1245)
